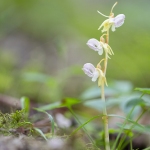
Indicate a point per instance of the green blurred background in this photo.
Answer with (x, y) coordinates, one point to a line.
(43, 46)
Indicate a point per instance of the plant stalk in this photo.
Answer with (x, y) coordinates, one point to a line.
(105, 119)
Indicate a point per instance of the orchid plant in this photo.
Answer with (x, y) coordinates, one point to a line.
(99, 72)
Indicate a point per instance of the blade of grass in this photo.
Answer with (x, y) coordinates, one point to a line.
(127, 142)
(121, 117)
(84, 129)
(135, 122)
(51, 119)
(82, 125)
(41, 133)
(119, 134)
(52, 123)
(122, 140)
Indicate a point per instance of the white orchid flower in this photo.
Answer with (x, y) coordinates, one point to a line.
(118, 21)
(91, 71)
(112, 22)
(94, 73)
(95, 45)
(100, 46)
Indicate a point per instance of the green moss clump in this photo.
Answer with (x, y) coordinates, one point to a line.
(15, 124)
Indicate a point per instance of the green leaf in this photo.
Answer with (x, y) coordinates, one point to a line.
(122, 86)
(25, 104)
(134, 101)
(113, 131)
(50, 106)
(128, 104)
(99, 104)
(143, 90)
(41, 133)
(114, 88)
(68, 102)
(90, 93)
(96, 104)
(144, 130)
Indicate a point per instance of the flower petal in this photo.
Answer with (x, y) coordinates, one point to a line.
(119, 20)
(100, 52)
(94, 44)
(95, 75)
(88, 69)
(113, 28)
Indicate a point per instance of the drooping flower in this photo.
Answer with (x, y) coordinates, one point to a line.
(113, 22)
(99, 46)
(95, 45)
(91, 71)
(118, 21)
(94, 73)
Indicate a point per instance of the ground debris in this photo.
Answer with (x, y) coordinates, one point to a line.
(29, 143)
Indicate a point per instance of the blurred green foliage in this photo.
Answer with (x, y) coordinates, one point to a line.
(65, 27)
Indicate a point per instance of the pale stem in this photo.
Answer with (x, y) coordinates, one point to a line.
(113, 7)
(105, 117)
(102, 14)
(107, 37)
(106, 59)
